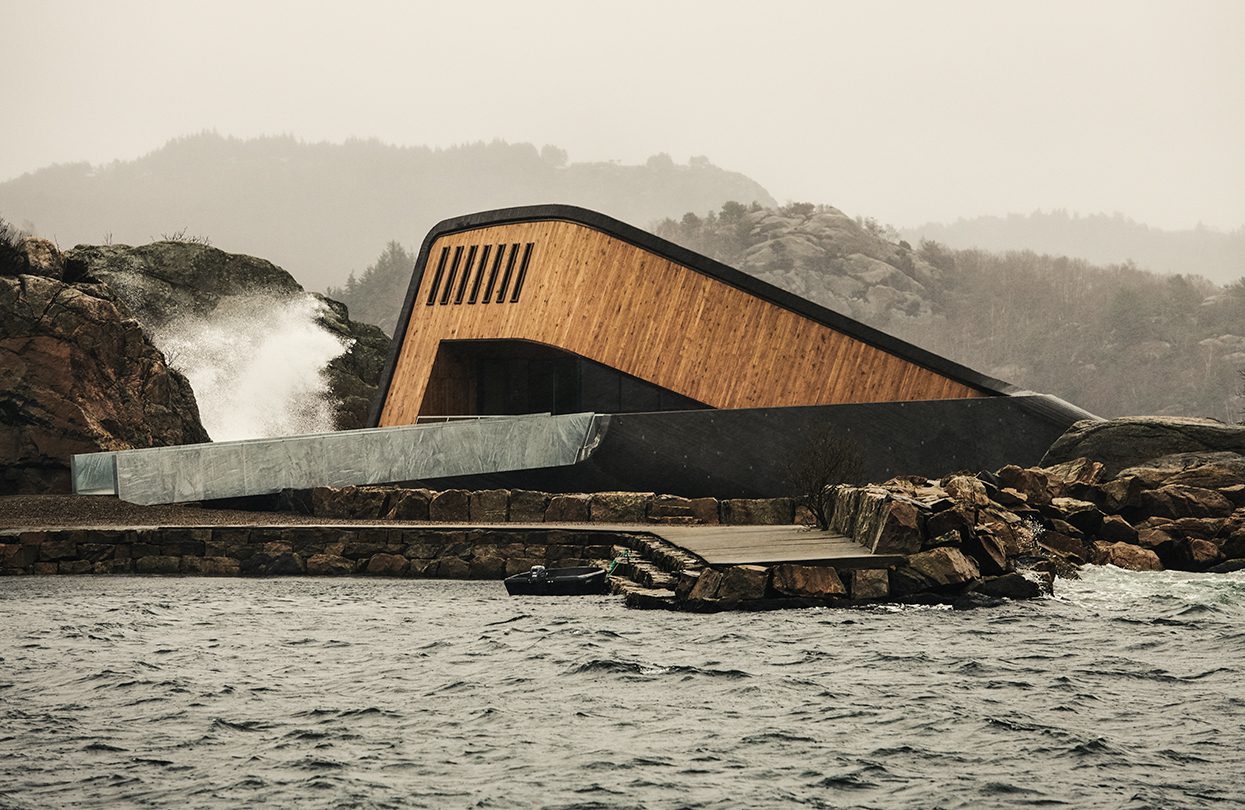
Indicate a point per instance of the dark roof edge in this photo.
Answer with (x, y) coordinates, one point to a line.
(690, 259)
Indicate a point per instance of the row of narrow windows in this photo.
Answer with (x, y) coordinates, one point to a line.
(499, 264)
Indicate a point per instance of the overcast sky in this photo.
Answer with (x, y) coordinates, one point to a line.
(907, 111)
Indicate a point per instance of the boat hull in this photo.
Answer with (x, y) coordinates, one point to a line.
(558, 582)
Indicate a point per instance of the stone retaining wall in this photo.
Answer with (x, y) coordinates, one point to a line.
(527, 506)
(290, 551)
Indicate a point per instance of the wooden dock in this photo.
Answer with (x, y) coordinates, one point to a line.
(767, 545)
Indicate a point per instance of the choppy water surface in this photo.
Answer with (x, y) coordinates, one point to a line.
(1125, 691)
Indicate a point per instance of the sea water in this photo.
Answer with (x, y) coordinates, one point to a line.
(1126, 690)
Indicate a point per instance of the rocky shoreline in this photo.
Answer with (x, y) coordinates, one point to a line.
(962, 540)
(81, 372)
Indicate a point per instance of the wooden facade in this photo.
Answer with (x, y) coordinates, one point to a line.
(593, 287)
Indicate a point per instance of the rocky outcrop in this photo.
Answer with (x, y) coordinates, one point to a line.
(1135, 440)
(79, 373)
(353, 376)
(818, 253)
(164, 281)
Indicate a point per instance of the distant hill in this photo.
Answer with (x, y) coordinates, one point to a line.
(321, 210)
(1098, 238)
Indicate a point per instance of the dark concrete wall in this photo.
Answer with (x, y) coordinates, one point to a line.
(745, 453)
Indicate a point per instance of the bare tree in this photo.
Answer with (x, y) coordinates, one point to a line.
(183, 236)
(828, 458)
(12, 259)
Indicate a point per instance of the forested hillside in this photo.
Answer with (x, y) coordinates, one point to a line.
(1111, 338)
(320, 209)
(1098, 238)
(376, 295)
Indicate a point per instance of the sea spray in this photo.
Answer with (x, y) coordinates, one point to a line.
(256, 366)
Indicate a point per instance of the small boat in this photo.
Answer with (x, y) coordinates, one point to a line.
(542, 581)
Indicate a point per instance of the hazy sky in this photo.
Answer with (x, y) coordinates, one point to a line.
(907, 111)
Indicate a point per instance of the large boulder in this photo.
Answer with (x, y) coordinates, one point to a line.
(619, 507)
(568, 509)
(944, 567)
(743, 583)
(807, 580)
(450, 506)
(1214, 470)
(758, 511)
(527, 506)
(78, 373)
(1128, 556)
(360, 503)
(408, 504)
(899, 530)
(870, 583)
(1013, 585)
(1175, 501)
(490, 506)
(705, 586)
(1133, 440)
(164, 281)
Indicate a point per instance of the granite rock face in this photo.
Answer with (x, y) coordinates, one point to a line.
(1135, 440)
(79, 373)
(164, 281)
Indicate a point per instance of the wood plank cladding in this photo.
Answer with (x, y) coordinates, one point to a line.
(611, 301)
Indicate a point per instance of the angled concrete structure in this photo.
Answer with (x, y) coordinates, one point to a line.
(200, 472)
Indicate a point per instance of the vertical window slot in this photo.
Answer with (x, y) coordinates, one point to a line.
(475, 288)
(449, 279)
(492, 275)
(518, 281)
(462, 285)
(436, 277)
(505, 279)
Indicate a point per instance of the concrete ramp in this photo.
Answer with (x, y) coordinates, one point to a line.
(199, 472)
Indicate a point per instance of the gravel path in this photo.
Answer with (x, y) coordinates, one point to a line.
(27, 511)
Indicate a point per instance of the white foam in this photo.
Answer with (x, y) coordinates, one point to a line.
(256, 366)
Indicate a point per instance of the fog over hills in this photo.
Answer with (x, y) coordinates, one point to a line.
(322, 210)
(1099, 238)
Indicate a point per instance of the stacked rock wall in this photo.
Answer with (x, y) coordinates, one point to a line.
(527, 506)
(293, 551)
